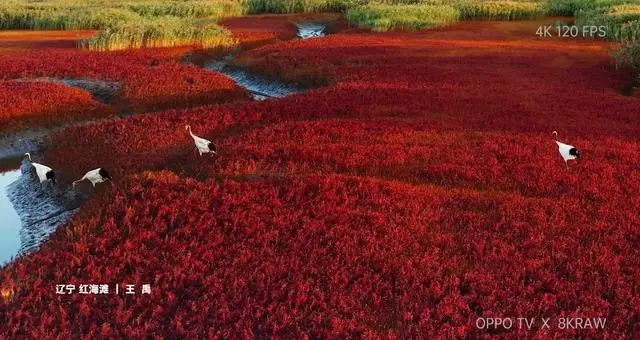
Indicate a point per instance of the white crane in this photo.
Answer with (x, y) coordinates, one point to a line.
(44, 172)
(202, 145)
(95, 176)
(567, 151)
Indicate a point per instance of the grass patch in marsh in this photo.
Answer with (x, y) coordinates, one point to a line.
(433, 13)
(299, 6)
(500, 10)
(381, 17)
(127, 24)
(621, 18)
(160, 32)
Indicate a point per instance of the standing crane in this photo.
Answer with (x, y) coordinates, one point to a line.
(202, 145)
(568, 152)
(95, 176)
(45, 173)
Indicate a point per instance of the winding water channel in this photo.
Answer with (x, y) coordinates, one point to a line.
(29, 212)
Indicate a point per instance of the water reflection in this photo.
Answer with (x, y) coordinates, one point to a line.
(9, 220)
(308, 30)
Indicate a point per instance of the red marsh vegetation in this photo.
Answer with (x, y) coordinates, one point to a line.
(418, 190)
(25, 104)
(151, 79)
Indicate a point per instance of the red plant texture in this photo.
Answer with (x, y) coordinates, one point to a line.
(419, 190)
(261, 30)
(151, 79)
(44, 104)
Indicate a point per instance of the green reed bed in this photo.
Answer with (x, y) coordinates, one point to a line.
(500, 10)
(629, 55)
(188, 9)
(159, 32)
(399, 14)
(61, 18)
(127, 24)
(382, 17)
(616, 19)
(299, 6)
(621, 19)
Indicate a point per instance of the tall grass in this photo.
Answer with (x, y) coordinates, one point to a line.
(419, 14)
(567, 8)
(59, 18)
(381, 17)
(630, 32)
(188, 9)
(160, 32)
(613, 18)
(629, 55)
(126, 24)
(622, 21)
(299, 6)
(500, 10)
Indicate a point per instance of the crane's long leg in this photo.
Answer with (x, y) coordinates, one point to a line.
(567, 164)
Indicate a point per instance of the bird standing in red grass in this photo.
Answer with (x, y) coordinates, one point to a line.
(95, 176)
(567, 151)
(202, 145)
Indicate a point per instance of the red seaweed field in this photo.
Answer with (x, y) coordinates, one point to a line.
(412, 190)
(151, 79)
(44, 104)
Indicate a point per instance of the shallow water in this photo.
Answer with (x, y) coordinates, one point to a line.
(259, 87)
(311, 30)
(30, 212)
(10, 221)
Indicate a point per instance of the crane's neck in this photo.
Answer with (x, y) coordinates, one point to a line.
(191, 133)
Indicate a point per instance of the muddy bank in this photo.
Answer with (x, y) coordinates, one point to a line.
(31, 211)
(41, 207)
(34, 138)
(106, 92)
(28, 140)
(258, 86)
